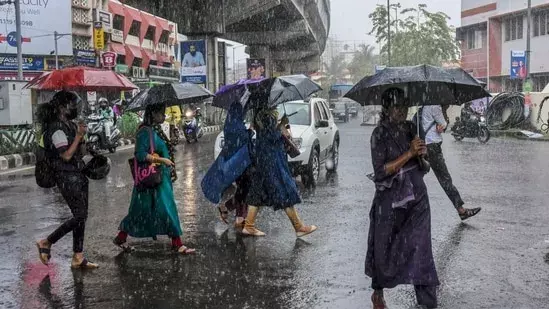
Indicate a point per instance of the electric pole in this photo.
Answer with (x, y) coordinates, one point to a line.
(528, 34)
(18, 31)
(55, 50)
(388, 32)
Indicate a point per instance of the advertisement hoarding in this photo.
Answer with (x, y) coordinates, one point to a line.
(38, 19)
(84, 57)
(193, 62)
(255, 68)
(9, 62)
(518, 64)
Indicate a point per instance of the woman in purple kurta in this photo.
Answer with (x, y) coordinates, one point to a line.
(399, 240)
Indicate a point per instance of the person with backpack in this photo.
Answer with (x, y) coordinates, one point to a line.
(62, 165)
(433, 124)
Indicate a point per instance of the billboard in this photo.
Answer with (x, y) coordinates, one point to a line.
(518, 64)
(39, 19)
(9, 62)
(256, 68)
(193, 62)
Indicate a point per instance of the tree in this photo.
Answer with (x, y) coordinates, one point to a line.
(422, 37)
(363, 62)
(335, 68)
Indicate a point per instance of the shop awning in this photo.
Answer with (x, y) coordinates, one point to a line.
(162, 25)
(130, 15)
(132, 52)
(118, 48)
(162, 58)
(148, 20)
(116, 8)
(148, 56)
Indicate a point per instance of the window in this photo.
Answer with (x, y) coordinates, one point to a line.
(323, 111)
(150, 33)
(118, 22)
(474, 39)
(541, 23)
(326, 110)
(317, 113)
(514, 28)
(134, 29)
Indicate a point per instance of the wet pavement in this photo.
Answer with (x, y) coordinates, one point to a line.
(495, 260)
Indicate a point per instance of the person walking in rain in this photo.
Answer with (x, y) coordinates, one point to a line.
(434, 122)
(153, 211)
(63, 140)
(399, 239)
(271, 182)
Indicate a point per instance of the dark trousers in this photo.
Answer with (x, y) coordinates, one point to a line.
(426, 295)
(74, 189)
(438, 165)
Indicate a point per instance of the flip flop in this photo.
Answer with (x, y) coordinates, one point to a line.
(85, 264)
(185, 250)
(46, 251)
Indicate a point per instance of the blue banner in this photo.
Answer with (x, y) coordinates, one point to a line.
(518, 64)
(9, 62)
(85, 57)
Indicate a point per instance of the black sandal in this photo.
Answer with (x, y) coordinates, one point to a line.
(117, 241)
(42, 250)
(85, 264)
(469, 212)
(223, 215)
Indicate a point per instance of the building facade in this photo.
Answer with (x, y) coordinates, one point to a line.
(144, 44)
(492, 29)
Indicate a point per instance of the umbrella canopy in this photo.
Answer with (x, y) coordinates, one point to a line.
(81, 79)
(422, 85)
(274, 91)
(228, 94)
(291, 88)
(169, 94)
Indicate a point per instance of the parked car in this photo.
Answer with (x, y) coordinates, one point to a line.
(353, 108)
(314, 132)
(341, 112)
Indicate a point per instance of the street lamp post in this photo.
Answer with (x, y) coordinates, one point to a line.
(528, 34)
(57, 36)
(388, 32)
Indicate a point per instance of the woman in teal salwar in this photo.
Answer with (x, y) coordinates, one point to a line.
(153, 212)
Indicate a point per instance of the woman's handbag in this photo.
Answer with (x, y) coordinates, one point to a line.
(146, 175)
(290, 147)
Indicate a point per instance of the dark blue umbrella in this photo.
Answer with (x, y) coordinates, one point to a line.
(169, 95)
(422, 84)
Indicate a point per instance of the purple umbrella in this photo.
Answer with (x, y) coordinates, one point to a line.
(228, 94)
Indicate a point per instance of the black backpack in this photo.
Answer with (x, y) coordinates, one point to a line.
(43, 171)
(417, 120)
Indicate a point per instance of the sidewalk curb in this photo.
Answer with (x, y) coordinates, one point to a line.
(14, 161)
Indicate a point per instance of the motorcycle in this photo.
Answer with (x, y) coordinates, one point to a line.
(474, 128)
(96, 139)
(192, 126)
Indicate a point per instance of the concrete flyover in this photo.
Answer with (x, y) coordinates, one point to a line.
(290, 34)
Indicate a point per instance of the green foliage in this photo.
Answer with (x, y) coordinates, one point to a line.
(128, 124)
(417, 36)
(363, 62)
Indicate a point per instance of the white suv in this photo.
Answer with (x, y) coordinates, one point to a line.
(314, 132)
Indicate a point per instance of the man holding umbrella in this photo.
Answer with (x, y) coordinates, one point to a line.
(434, 123)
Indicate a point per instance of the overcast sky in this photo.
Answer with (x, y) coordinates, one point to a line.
(349, 18)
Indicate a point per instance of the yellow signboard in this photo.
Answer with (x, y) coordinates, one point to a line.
(99, 38)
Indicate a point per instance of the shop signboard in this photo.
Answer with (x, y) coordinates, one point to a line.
(518, 64)
(30, 63)
(117, 36)
(85, 57)
(122, 69)
(98, 36)
(37, 18)
(108, 59)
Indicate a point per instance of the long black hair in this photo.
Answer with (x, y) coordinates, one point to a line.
(48, 113)
(150, 110)
(390, 97)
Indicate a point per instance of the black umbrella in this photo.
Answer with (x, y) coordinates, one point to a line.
(422, 85)
(291, 88)
(169, 95)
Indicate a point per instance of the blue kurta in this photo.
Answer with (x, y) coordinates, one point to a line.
(272, 183)
(152, 212)
(399, 240)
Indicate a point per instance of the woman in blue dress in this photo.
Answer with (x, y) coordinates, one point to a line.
(399, 239)
(153, 211)
(271, 182)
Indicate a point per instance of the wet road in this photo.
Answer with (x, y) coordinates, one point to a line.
(496, 260)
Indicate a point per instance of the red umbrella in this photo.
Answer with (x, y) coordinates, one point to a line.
(81, 78)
